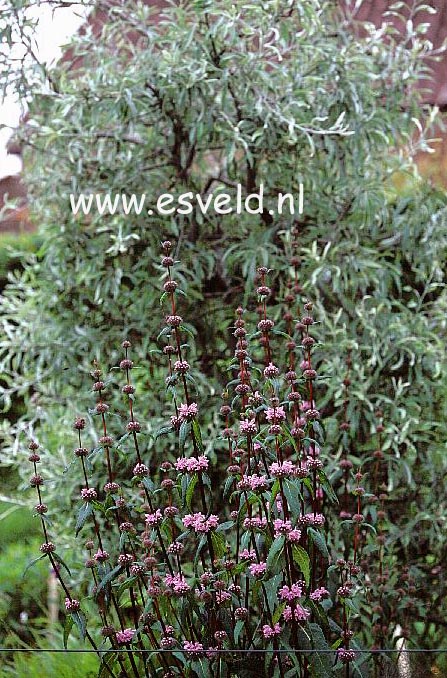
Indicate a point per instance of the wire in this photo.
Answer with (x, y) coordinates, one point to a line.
(222, 651)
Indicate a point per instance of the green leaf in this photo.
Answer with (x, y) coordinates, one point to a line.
(59, 560)
(238, 628)
(198, 436)
(274, 554)
(274, 492)
(107, 663)
(183, 434)
(301, 558)
(319, 541)
(163, 431)
(321, 663)
(228, 487)
(190, 491)
(278, 612)
(201, 545)
(293, 495)
(84, 512)
(326, 485)
(69, 622)
(148, 484)
(110, 576)
(126, 584)
(270, 589)
(33, 562)
(218, 542)
(80, 621)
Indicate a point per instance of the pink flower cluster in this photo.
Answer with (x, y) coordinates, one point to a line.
(154, 518)
(191, 464)
(284, 527)
(72, 605)
(291, 593)
(245, 554)
(319, 594)
(282, 470)
(248, 427)
(258, 569)
(253, 482)
(315, 519)
(271, 371)
(177, 583)
(187, 412)
(199, 523)
(275, 415)
(193, 649)
(222, 597)
(125, 636)
(271, 631)
(299, 613)
(255, 523)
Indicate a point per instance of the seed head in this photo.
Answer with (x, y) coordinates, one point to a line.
(47, 547)
(41, 508)
(72, 605)
(98, 386)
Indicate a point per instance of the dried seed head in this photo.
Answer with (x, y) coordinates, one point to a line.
(47, 547)
(98, 386)
(170, 286)
(79, 424)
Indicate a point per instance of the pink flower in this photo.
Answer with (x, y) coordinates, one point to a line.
(253, 482)
(72, 605)
(187, 412)
(177, 583)
(125, 636)
(315, 519)
(191, 464)
(88, 494)
(193, 649)
(269, 631)
(281, 526)
(212, 522)
(101, 556)
(275, 414)
(319, 594)
(290, 593)
(222, 597)
(248, 427)
(258, 569)
(154, 518)
(248, 555)
(282, 470)
(199, 523)
(294, 535)
(255, 523)
(300, 613)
